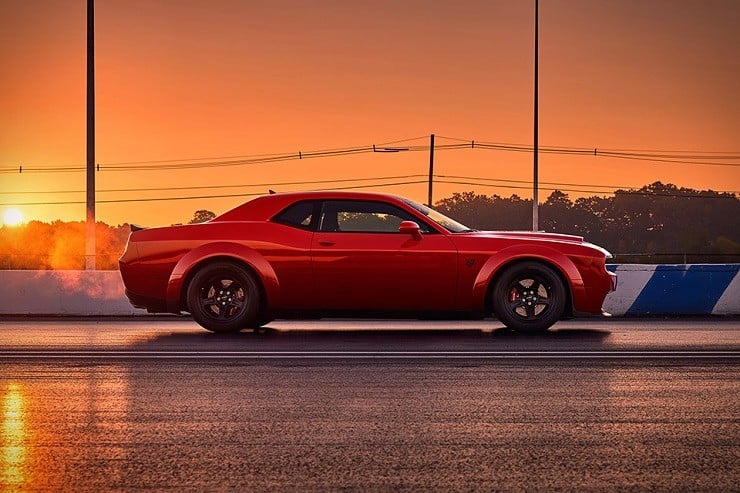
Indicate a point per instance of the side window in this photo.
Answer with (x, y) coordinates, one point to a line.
(298, 215)
(365, 217)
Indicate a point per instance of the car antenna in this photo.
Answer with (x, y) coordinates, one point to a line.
(272, 192)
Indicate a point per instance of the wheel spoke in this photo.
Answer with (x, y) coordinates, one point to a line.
(530, 309)
(529, 297)
(237, 304)
(222, 312)
(218, 302)
(536, 286)
(517, 303)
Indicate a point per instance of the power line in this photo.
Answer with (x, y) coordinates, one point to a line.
(608, 187)
(642, 152)
(446, 179)
(671, 157)
(629, 192)
(657, 158)
(217, 161)
(220, 196)
(457, 177)
(243, 185)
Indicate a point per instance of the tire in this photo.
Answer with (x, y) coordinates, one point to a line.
(224, 297)
(529, 297)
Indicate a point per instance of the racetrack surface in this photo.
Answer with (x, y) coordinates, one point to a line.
(119, 404)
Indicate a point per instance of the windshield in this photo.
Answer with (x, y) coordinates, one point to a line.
(449, 224)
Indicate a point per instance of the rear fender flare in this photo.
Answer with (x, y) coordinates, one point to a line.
(546, 255)
(225, 250)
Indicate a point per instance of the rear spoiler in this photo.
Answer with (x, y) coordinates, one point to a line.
(135, 228)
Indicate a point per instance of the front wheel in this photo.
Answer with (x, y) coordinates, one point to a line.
(529, 296)
(224, 297)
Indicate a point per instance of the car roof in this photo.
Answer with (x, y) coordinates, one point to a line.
(266, 206)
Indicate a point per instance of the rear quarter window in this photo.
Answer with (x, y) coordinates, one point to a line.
(300, 215)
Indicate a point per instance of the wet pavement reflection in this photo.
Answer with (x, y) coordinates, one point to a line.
(14, 437)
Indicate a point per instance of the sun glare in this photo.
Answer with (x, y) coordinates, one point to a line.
(12, 217)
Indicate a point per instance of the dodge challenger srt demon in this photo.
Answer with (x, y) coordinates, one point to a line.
(319, 254)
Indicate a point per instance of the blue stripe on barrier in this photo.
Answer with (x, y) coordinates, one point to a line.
(676, 289)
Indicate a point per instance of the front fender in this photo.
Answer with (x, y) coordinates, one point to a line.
(547, 255)
(238, 252)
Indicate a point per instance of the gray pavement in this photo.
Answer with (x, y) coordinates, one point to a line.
(160, 404)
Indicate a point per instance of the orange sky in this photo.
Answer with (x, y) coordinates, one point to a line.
(209, 78)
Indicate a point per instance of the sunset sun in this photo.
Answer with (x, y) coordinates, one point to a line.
(12, 217)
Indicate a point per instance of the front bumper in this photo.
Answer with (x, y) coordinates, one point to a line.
(613, 279)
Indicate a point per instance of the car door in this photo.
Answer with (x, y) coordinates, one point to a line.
(362, 262)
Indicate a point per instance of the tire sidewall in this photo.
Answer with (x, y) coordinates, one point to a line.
(249, 313)
(556, 288)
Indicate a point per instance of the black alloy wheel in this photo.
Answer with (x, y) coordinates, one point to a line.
(224, 297)
(529, 296)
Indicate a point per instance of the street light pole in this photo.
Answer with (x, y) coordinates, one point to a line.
(535, 178)
(431, 169)
(90, 216)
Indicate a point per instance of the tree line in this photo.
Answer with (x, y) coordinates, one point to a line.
(659, 223)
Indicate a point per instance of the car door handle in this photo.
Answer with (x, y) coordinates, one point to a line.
(326, 243)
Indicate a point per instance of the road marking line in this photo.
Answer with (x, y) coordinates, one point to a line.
(61, 351)
(232, 358)
(369, 354)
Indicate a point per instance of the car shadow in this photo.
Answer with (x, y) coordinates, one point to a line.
(271, 339)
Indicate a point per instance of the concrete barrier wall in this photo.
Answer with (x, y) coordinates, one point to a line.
(63, 292)
(700, 289)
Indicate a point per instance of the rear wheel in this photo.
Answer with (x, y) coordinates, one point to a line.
(529, 296)
(224, 297)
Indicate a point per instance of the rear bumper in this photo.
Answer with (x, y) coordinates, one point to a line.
(152, 305)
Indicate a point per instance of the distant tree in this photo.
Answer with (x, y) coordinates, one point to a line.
(467, 207)
(201, 216)
(556, 213)
(643, 225)
(489, 213)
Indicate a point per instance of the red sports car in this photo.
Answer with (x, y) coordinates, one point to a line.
(319, 254)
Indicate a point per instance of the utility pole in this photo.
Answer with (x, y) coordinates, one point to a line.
(431, 168)
(90, 238)
(535, 178)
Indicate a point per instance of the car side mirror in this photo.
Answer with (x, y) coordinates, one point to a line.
(410, 228)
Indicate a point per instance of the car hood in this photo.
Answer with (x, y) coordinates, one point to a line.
(526, 235)
(535, 236)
